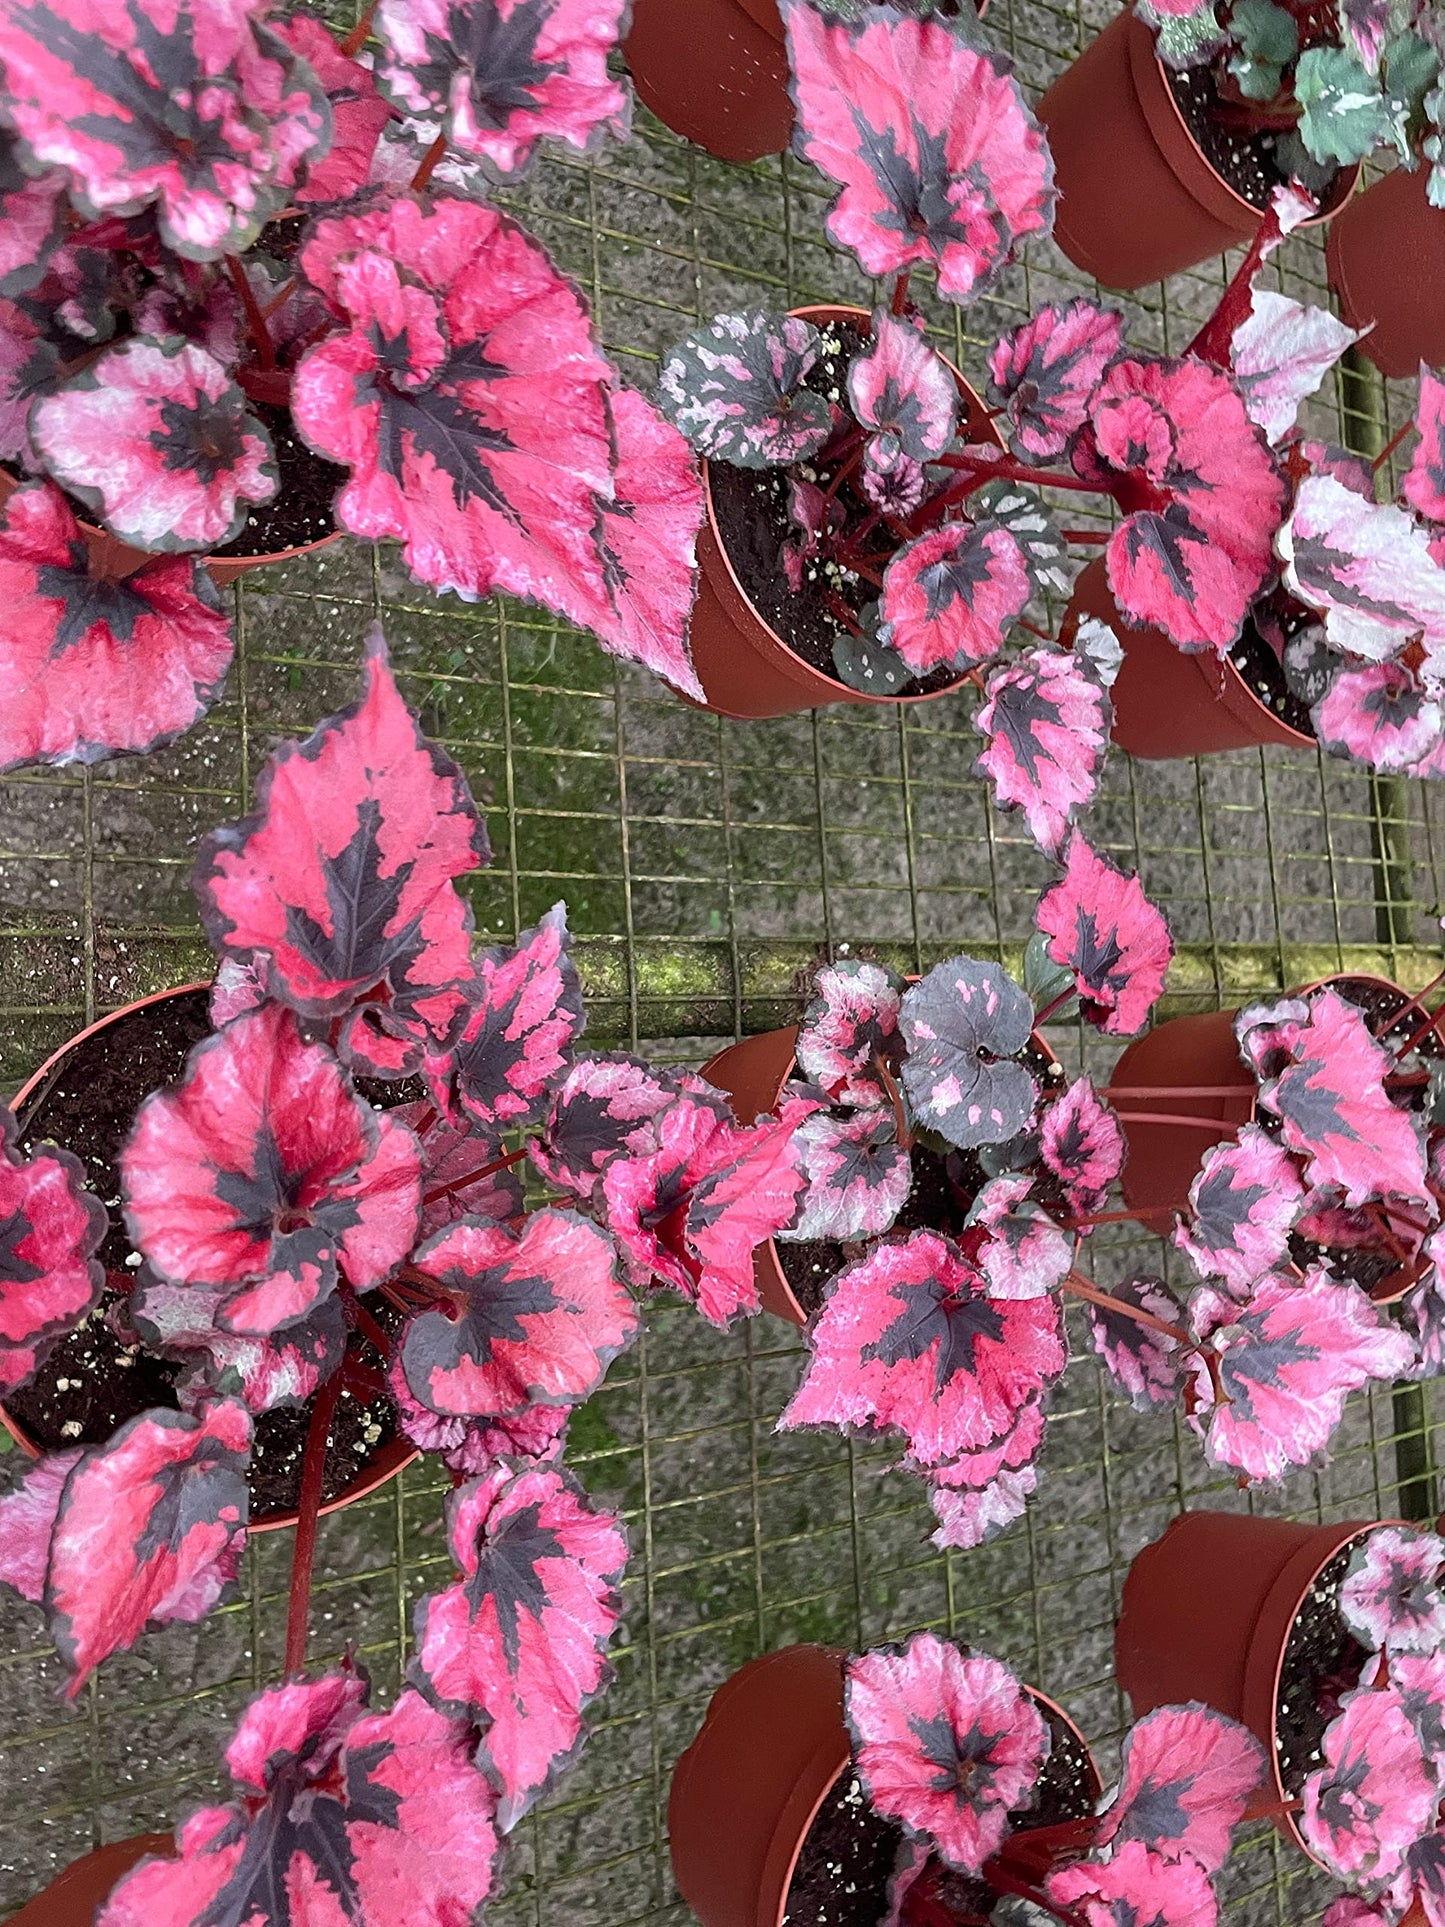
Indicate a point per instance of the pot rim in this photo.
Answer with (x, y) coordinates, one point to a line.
(388, 1462)
(824, 312)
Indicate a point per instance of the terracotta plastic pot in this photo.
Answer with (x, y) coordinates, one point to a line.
(743, 664)
(115, 558)
(1207, 1613)
(1138, 201)
(716, 72)
(72, 1897)
(1386, 259)
(390, 1460)
(1168, 704)
(750, 1786)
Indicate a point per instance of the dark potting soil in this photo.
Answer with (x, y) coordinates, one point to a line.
(937, 1202)
(753, 519)
(92, 1382)
(301, 509)
(1244, 160)
(1322, 1660)
(1264, 677)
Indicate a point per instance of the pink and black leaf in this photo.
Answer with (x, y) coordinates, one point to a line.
(905, 395)
(737, 389)
(180, 1322)
(1424, 484)
(1045, 373)
(951, 595)
(1186, 1776)
(1136, 1888)
(1103, 928)
(605, 1106)
(1376, 714)
(857, 1176)
(1391, 1596)
(1082, 1144)
(358, 113)
(1147, 1365)
(848, 1028)
(1375, 1795)
(32, 220)
(1244, 1204)
(452, 1156)
(51, 1228)
(1046, 725)
(965, 1025)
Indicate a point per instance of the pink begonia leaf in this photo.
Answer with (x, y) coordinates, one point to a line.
(605, 1106)
(951, 595)
(28, 364)
(296, 1729)
(929, 137)
(27, 1521)
(501, 75)
(373, 1818)
(1136, 1888)
(1025, 1254)
(1337, 1112)
(1045, 372)
(904, 393)
(519, 1641)
(358, 112)
(342, 885)
(857, 1175)
(850, 1024)
(1022, 513)
(1419, 1678)
(180, 1322)
(1290, 1356)
(150, 1528)
(1046, 722)
(470, 1446)
(965, 1025)
(1365, 565)
(51, 1227)
(1348, 1910)
(1016, 1449)
(1082, 1143)
(538, 1318)
(1421, 1882)
(1243, 1204)
(263, 1171)
(1375, 1795)
(946, 1744)
(1378, 715)
(209, 116)
(1350, 470)
(1369, 25)
(1196, 554)
(647, 544)
(736, 389)
(466, 395)
(970, 1518)
(516, 1038)
(1103, 928)
(239, 985)
(92, 665)
(1147, 1365)
(909, 1340)
(32, 220)
(690, 1214)
(1391, 1596)
(1268, 1033)
(156, 438)
(452, 1155)
(1185, 1777)
(1424, 484)
(1280, 353)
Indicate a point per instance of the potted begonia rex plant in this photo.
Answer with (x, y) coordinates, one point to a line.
(324, 1246)
(1328, 1642)
(1176, 125)
(923, 1785)
(248, 296)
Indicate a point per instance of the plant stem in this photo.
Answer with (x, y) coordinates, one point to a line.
(842, 472)
(900, 293)
(279, 300)
(429, 163)
(1224, 1124)
(474, 1177)
(1056, 1003)
(1102, 1217)
(255, 320)
(368, 1326)
(1088, 535)
(303, 1556)
(352, 45)
(1417, 1002)
(1390, 446)
(895, 1098)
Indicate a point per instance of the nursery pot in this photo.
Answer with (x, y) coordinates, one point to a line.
(1207, 1613)
(743, 664)
(1169, 704)
(716, 72)
(72, 1897)
(1138, 200)
(1386, 259)
(748, 1789)
(386, 1463)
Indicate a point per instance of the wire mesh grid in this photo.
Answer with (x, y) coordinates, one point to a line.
(705, 863)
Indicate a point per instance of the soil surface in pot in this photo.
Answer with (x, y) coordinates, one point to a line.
(91, 1383)
(1322, 1661)
(848, 1858)
(752, 510)
(301, 509)
(1262, 671)
(1243, 159)
(934, 1204)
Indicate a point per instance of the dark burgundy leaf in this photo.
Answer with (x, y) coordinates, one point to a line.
(948, 1744)
(516, 1039)
(964, 1024)
(1103, 928)
(1045, 373)
(1185, 1778)
(150, 1528)
(264, 1172)
(342, 886)
(1046, 723)
(50, 1230)
(540, 1316)
(92, 665)
(519, 1641)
